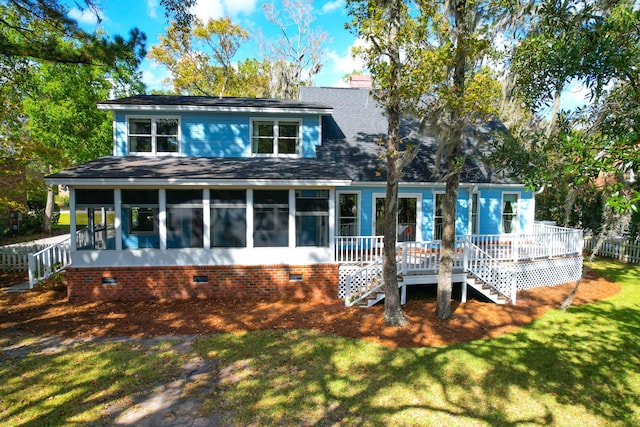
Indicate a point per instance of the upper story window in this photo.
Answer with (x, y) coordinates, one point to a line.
(153, 135)
(275, 137)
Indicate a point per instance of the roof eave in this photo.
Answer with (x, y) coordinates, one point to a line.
(158, 183)
(215, 109)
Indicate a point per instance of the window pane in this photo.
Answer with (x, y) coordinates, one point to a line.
(140, 197)
(139, 126)
(271, 218)
(184, 227)
(312, 230)
(167, 144)
(288, 137)
(380, 216)
(263, 129)
(263, 146)
(228, 196)
(348, 214)
(181, 197)
(94, 197)
(167, 127)
(228, 227)
(140, 144)
(407, 222)
(509, 213)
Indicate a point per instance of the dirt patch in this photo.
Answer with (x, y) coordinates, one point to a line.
(10, 278)
(46, 311)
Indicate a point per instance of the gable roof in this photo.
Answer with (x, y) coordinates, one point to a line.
(210, 103)
(352, 134)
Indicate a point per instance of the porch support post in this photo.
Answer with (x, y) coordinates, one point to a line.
(464, 285)
(117, 221)
(249, 214)
(73, 242)
(162, 218)
(332, 223)
(292, 218)
(403, 294)
(206, 218)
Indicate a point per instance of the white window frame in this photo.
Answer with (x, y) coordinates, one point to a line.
(516, 214)
(417, 196)
(154, 135)
(358, 214)
(276, 122)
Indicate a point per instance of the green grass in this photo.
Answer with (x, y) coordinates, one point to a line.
(74, 387)
(575, 368)
(580, 367)
(82, 218)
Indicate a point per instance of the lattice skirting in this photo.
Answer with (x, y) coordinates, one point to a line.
(550, 272)
(343, 272)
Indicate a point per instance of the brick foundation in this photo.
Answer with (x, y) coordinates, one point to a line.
(307, 282)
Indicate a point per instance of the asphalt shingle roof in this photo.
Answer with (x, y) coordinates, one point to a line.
(351, 137)
(213, 102)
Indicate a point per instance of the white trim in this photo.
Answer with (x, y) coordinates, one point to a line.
(358, 193)
(433, 184)
(276, 123)
(154, 136)
(518, 212)
(206, 219)
(292, 218)
(417, 196)
(72, 219)
(332, 221)
(114, 130)
(164, 182)
(162, 218)
(211, 108)
(117, 220)
(249, 219)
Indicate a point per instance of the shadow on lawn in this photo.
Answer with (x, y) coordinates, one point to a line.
(567, 368)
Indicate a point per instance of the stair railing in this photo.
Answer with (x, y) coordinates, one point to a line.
(363, 282)
(489, 270)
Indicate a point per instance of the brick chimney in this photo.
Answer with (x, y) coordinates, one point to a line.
(361, 81)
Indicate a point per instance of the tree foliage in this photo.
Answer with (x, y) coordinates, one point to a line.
(200, 60)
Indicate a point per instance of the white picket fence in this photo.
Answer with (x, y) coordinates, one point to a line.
(626, 251)
(16, 257)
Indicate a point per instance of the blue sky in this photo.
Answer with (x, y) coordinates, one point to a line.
(120, 16)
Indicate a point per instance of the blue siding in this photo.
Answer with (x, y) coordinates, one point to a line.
(220, 134)
(489, 210)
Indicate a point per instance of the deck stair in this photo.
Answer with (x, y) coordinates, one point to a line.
(364, 286)
(488, 291)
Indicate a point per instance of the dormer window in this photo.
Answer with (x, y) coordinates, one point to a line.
(153, 135)
(275, 137)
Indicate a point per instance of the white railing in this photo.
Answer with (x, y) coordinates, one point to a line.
(363, 282)
(425, 256)
(490, 270)
(48, 261)
(360, 250)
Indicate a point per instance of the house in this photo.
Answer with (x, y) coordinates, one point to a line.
(231, 197)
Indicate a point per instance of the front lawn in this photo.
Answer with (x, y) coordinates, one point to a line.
(574, 368)
(577, 368)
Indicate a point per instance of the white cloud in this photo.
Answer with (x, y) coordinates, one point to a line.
(347, 63)
(86, 16)
(154, 75)
(215, 9)
(152, 8)
(330, 6)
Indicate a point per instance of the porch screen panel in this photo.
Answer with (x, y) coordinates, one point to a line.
(185, 225)
(140, 212)
(228, 218)
(509, 213)
(95, 218)
(271, 218)
(312, 218)
(348, 214)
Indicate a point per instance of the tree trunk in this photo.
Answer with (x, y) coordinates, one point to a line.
(393, 314)
(447, 248)
(48, 209)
